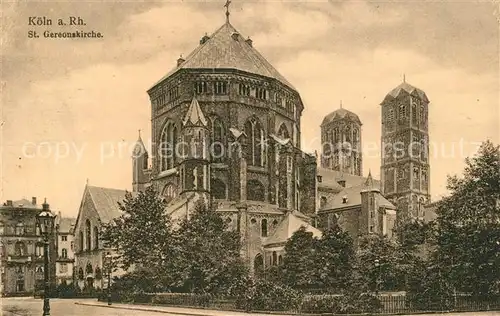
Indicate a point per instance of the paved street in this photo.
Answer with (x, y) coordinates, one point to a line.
(59, 307)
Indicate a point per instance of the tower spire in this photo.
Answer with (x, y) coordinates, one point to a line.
(340, 103)
(139, 133)
(228, 2)
(404, 77)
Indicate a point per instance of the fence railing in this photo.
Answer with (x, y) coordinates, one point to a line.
(331, 304)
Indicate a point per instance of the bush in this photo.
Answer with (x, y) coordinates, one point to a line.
(317, 304)
(183, 299)
(64, 290)
(266, 296)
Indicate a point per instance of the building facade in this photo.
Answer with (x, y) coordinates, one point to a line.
(405, 165)
(65, 249)
(21, 249)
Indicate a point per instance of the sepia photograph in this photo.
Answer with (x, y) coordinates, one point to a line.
(230, 157)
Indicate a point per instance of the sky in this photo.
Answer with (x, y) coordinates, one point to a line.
(71, 109)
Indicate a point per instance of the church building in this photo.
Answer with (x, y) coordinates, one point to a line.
(226, 130)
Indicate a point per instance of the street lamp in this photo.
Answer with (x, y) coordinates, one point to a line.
(108, 261)
(377, 267)
(45, 221)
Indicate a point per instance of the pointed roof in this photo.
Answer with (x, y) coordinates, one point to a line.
(139, 148)
(369, 180)
(226, 48)
(290, 224)
(194, 115)
(106, 202)
(405, 86)
(339, 114)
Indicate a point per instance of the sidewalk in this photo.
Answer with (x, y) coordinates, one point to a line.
(171, 310)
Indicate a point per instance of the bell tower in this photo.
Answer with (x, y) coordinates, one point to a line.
(194, 166)
(405, 166)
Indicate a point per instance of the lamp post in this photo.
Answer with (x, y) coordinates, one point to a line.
(108, 261)
(377, 267)
(45, 221)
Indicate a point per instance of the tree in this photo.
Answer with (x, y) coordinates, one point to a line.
(299, 264)
(377, 262)
(208, 253)
(335, 260)
(142, 236)
(468, 233)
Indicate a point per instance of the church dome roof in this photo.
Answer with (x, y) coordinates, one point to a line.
(341, 114)
(408, 88)
(226, 48)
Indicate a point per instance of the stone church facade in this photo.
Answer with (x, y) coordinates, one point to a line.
(226, 129)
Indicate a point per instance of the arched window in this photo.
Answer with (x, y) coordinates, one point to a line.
(19, 229)
(80, 241)
(96, 237)
(255, 191)
(20, 249)
(145, 160)
(2, 228)
(283, 132)
(402, 111)
(168, 146)
(217, 148)
(88, 269)
(64, 253)
(280, 260)
(218, 189)
(258, 265)
(275, 258)
(421, 204)
(169, 192)
(263, 228)
(255, 142)
(80, 274)
(39, 250)
(88, 236)
(414, 114)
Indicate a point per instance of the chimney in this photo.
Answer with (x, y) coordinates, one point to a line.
(249, 42)
(235, 36)
(320, 178)
(33, 200)
(342, 183)
(9, 202)
(204, 39)
(180, 61)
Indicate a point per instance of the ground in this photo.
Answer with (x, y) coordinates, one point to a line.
(60, 307)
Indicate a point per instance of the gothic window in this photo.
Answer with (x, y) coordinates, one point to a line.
(39, 250)
(168, 146)
(244, 89)
(348, 134)
(283, 131)
(422, 115)
(88, 235)
(280, 260)
(390, 115)
(218, 189)
(355, 136)
(289, 105)
(424, 179)
(20, 249)
(275, 222)
(88, 269)
(275, 258)
(173, 93)
(220, 87)
(19, 229)
(336, 135)
(421, 204)
(261, 93)
(255, 191)
(416, 178)
(80, 244)
(402, 111)
(217, 149)
(255, 142)
(414, 114)
(96, 237)
(263, 227)
(80, 274)
(64, 253)
(169, 192)
(2, 228)
(200, 87)
(145, 161)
